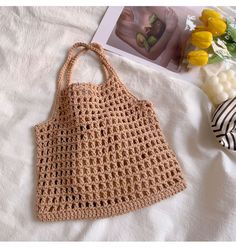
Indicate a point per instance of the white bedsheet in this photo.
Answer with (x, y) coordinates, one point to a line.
(33, 42)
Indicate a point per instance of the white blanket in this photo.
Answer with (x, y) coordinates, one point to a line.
(33, 45)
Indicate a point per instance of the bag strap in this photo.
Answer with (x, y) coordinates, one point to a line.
(66, 71)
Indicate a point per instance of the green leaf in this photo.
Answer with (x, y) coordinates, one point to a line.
(231, 29)
(232, 49)
(214, 59)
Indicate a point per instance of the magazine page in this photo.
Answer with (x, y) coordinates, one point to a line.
(156, 36)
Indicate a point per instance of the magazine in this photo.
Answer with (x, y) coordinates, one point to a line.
(155, 36)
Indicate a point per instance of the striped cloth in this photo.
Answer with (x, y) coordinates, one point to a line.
(223, 123)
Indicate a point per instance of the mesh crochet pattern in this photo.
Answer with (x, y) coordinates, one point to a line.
(101, 153)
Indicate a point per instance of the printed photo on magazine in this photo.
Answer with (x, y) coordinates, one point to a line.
(155, 36)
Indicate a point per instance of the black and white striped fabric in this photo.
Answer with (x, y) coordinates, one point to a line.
(223, 123)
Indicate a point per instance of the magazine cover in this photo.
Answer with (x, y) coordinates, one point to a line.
(155, 36)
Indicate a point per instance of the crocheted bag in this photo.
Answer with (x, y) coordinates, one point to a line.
(101, 152)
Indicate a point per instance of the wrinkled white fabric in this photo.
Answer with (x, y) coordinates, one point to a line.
(33, 45)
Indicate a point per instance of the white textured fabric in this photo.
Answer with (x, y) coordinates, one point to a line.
(33, 43)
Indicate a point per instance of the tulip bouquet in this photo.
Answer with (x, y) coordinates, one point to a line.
(214, 40)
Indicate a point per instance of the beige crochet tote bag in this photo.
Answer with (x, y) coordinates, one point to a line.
(101, 152)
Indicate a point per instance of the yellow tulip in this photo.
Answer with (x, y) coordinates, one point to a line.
(201, 39)
(216, 26)
(198, 57)
(209, 13)
(199, 28)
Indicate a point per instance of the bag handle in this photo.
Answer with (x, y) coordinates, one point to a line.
(66, 71)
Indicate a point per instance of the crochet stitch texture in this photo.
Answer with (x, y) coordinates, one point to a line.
(102, 152)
